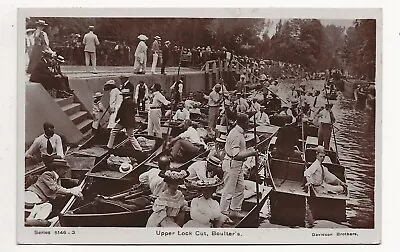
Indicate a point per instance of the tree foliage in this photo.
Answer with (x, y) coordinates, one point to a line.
(360, 48)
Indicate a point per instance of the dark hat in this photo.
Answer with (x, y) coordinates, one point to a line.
(123, 77)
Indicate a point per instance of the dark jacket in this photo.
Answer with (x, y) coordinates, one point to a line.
(126, 113)
(129, 86)
(287, 139)
(165, 53)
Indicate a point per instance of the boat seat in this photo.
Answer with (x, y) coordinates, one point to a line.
(312, 141)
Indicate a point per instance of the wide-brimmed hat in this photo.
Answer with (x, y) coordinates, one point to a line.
(157, 37)
(125, 168)
(41, 23)
(207, 183)
(91, 27)
(174, 176)
(97, 94)
(143, 37)
(167, 42)
(126, 92)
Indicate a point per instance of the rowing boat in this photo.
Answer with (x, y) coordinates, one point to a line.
(288, 199)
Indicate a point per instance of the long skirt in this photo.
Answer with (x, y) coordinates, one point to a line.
(35, 58)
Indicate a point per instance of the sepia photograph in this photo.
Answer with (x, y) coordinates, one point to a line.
(199, 129)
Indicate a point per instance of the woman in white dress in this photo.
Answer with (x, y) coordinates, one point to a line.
(139, 66)
(205, 211)
(170, 206)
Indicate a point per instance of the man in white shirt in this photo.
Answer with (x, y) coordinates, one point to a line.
(320, 178)
(177, 91)
(156, 101)
(326, 119)
(187, 144)
(155, 49)
(214, 102)
(181, 114)
(90, 41)
(48, 144)
(199, 169)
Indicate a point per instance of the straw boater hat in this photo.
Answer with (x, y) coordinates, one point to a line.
(143, 37)
(125, 168)
(157, 37)
(60, 59)
(214, 161)
(91, 27)
(167, 42)
(97, 94)
(126, 92)
(221, 139)
(41, 23)
(174, 176)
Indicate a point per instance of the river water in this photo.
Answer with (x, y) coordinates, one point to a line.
(355, 137)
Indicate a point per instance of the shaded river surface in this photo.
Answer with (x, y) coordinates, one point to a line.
(355, 137)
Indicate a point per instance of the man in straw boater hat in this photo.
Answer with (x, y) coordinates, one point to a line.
(236, 153)
(218, 150)
(157, 100)
(114, 103)
(205, 212)
(214, 102)
(90, 41)
(125, 120)
(126, 84)
(141, 95)
(318, 176)
(205, 169)
(98, 109)
(41, 197)
(139, 67)
(326, 119)
(155, 50)
(169, 208)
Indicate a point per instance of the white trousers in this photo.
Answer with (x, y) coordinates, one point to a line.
(233, 191)
(154, 64)
(117, 128)
(41, 210)
(154, 123)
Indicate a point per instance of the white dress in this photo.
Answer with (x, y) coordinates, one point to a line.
(203, 211)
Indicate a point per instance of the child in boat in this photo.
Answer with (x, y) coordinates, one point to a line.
(205, 211)
(169, 208)
(320, 178)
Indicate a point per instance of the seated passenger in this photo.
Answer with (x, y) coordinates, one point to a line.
(205, 211)
(205, 169)
(169, 208)
(152, 179)
(320, 178)
(187, 144)
(286, 142)
(261, 117)
(49, 145)
(182, 113)
(41, 196)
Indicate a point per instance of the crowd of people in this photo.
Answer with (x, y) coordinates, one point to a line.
(248, 104)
